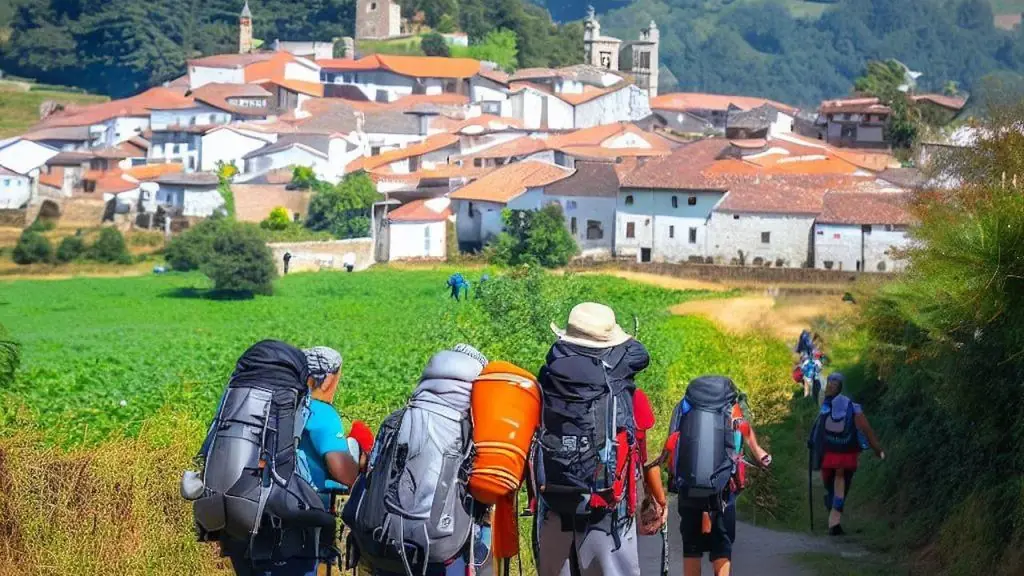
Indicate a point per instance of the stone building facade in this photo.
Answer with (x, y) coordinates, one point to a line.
(638, 58)
(377, 19)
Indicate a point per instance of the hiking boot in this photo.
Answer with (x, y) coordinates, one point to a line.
(836, 530)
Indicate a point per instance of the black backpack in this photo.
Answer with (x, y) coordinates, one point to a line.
(706, 452)
(256, 487)
(586, 458)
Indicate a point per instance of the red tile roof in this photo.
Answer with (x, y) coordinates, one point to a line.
(424, 210)
(687, 101)
(412, 66)
(151, 172)
(315, 89)
(217, 95)
(138, 105)
(495, 76)
(55, 179)
(954, 103)
(859, 209)
(232, 60)
(788, 194)
(683, 169)
(510, 181)
(854, 106)
(431, 144)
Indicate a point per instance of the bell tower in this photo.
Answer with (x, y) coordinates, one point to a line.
(245, 30)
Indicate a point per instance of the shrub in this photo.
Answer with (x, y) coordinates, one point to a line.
(537, 237)
(279, 219)
(71, 247)
(434, 44)
(32, 248)
(42, 225)
(190, 249)
(110, 247)
(240, 261)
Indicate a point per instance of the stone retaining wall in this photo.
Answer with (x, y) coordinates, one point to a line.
(314, 256)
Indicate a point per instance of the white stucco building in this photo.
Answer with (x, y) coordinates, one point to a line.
(21, 162)
(195, 194)
(419, 230)
(229, 145)
(862, 232)
(386, 78)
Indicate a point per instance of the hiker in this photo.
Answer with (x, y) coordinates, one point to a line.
(287, 258)
(810, 370)
(458, 285)
(414, 490)
(587, 459)
(804, 344)
(348, 261)
(840, 433)
(255, 496)
(709, 473)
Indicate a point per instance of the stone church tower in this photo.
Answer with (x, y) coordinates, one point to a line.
(638, 57)
(645, 59)
(245, 30)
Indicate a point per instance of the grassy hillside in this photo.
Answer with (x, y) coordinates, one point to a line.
(19, 108)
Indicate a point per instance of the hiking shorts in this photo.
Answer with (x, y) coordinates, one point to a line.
(717, 544)
(587, 552)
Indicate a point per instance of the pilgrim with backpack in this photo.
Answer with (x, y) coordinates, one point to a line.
(411, 512)
(586, 462)
(705, 456)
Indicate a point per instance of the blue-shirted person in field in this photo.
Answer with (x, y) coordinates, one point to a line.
(325, 451)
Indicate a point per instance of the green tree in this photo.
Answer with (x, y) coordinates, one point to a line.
(344, 209)
(499, 46)
(70, 248)
(225, 174)
(279, 219)
(187, 251)
(32, 248)
(433, 44)
(240, 261)
(537, 237)
(447, 24)
(110, 247)
(881, 79)
(303, 177)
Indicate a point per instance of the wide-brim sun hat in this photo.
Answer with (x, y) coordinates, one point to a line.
(592, 325)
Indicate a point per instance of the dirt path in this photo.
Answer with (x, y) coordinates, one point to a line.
(782, 317)
(669, 282)
(757, 551)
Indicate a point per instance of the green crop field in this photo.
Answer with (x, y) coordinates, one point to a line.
(119, 377)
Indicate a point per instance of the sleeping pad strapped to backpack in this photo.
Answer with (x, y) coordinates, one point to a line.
(412, 507)
(587, 458)
(257, 489)
(706, 454)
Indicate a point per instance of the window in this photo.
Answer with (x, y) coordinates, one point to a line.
(691, 201)
(693, 235)
(570, 205)
(470, 209)
(848, 132)
(450, 86)
(645, 60)
(371, 7)
(191, 162)
(630, 230)
(560, 158)
(735, 216)
(572, 226)
(766, 237)
(374, 150)
(828, 264)
(7, 182)
(629, 200)
(881, 266)
(675, 201)
(594, 230)
(426, 240)
(606, 60)
(491, 108)
(672, 230)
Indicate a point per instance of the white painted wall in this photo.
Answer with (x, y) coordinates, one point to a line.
(482, 226)
(840, 245)
(15, 191)
(626, 104)
(528, 106)
(417, 240)
(662, 227)
(293, 156)
(186, 153)
(304, 70)
(198, 115)
(228, 146)
(202, 75)
(394, 85)
(202, 203)
(783, 125)
(789, 238)
(484, 90)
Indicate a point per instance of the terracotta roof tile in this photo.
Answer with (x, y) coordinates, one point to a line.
(954, 103)
(412, 66)
(231, 60)
(431, 144)
(315, 89)
(253, 202)
(861, 208)
(683, 169)
(687, 101)
(854, 106)
(138, 105)
(218, 95)
(151, 172)
(788, 194)
(510, 181)
(495, 76)
(54, 179)
(423, 210)
(113, 182)
(591, 179)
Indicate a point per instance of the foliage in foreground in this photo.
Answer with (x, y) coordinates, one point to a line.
(534, 237)
(947, 347)
(232, 254)
(110, 247)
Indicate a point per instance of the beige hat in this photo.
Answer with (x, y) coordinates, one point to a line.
(593, 326)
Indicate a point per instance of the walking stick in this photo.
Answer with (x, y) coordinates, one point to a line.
(810, 485)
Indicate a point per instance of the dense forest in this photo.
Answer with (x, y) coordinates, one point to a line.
(772, 48)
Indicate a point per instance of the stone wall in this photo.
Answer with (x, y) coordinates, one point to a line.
(12, 218)
(740, 274)
(315, 256)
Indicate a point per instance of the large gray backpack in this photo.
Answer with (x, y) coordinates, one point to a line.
(412, 507)
(256, 488)
(706, 452)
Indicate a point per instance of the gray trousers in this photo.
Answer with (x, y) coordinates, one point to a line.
(595, 551)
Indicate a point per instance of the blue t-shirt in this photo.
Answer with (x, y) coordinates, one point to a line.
(324, 433)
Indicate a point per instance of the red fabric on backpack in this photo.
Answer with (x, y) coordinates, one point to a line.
(624, 485)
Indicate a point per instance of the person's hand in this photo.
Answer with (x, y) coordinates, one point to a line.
(664, 513)
(766, 461)
(881, 455)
